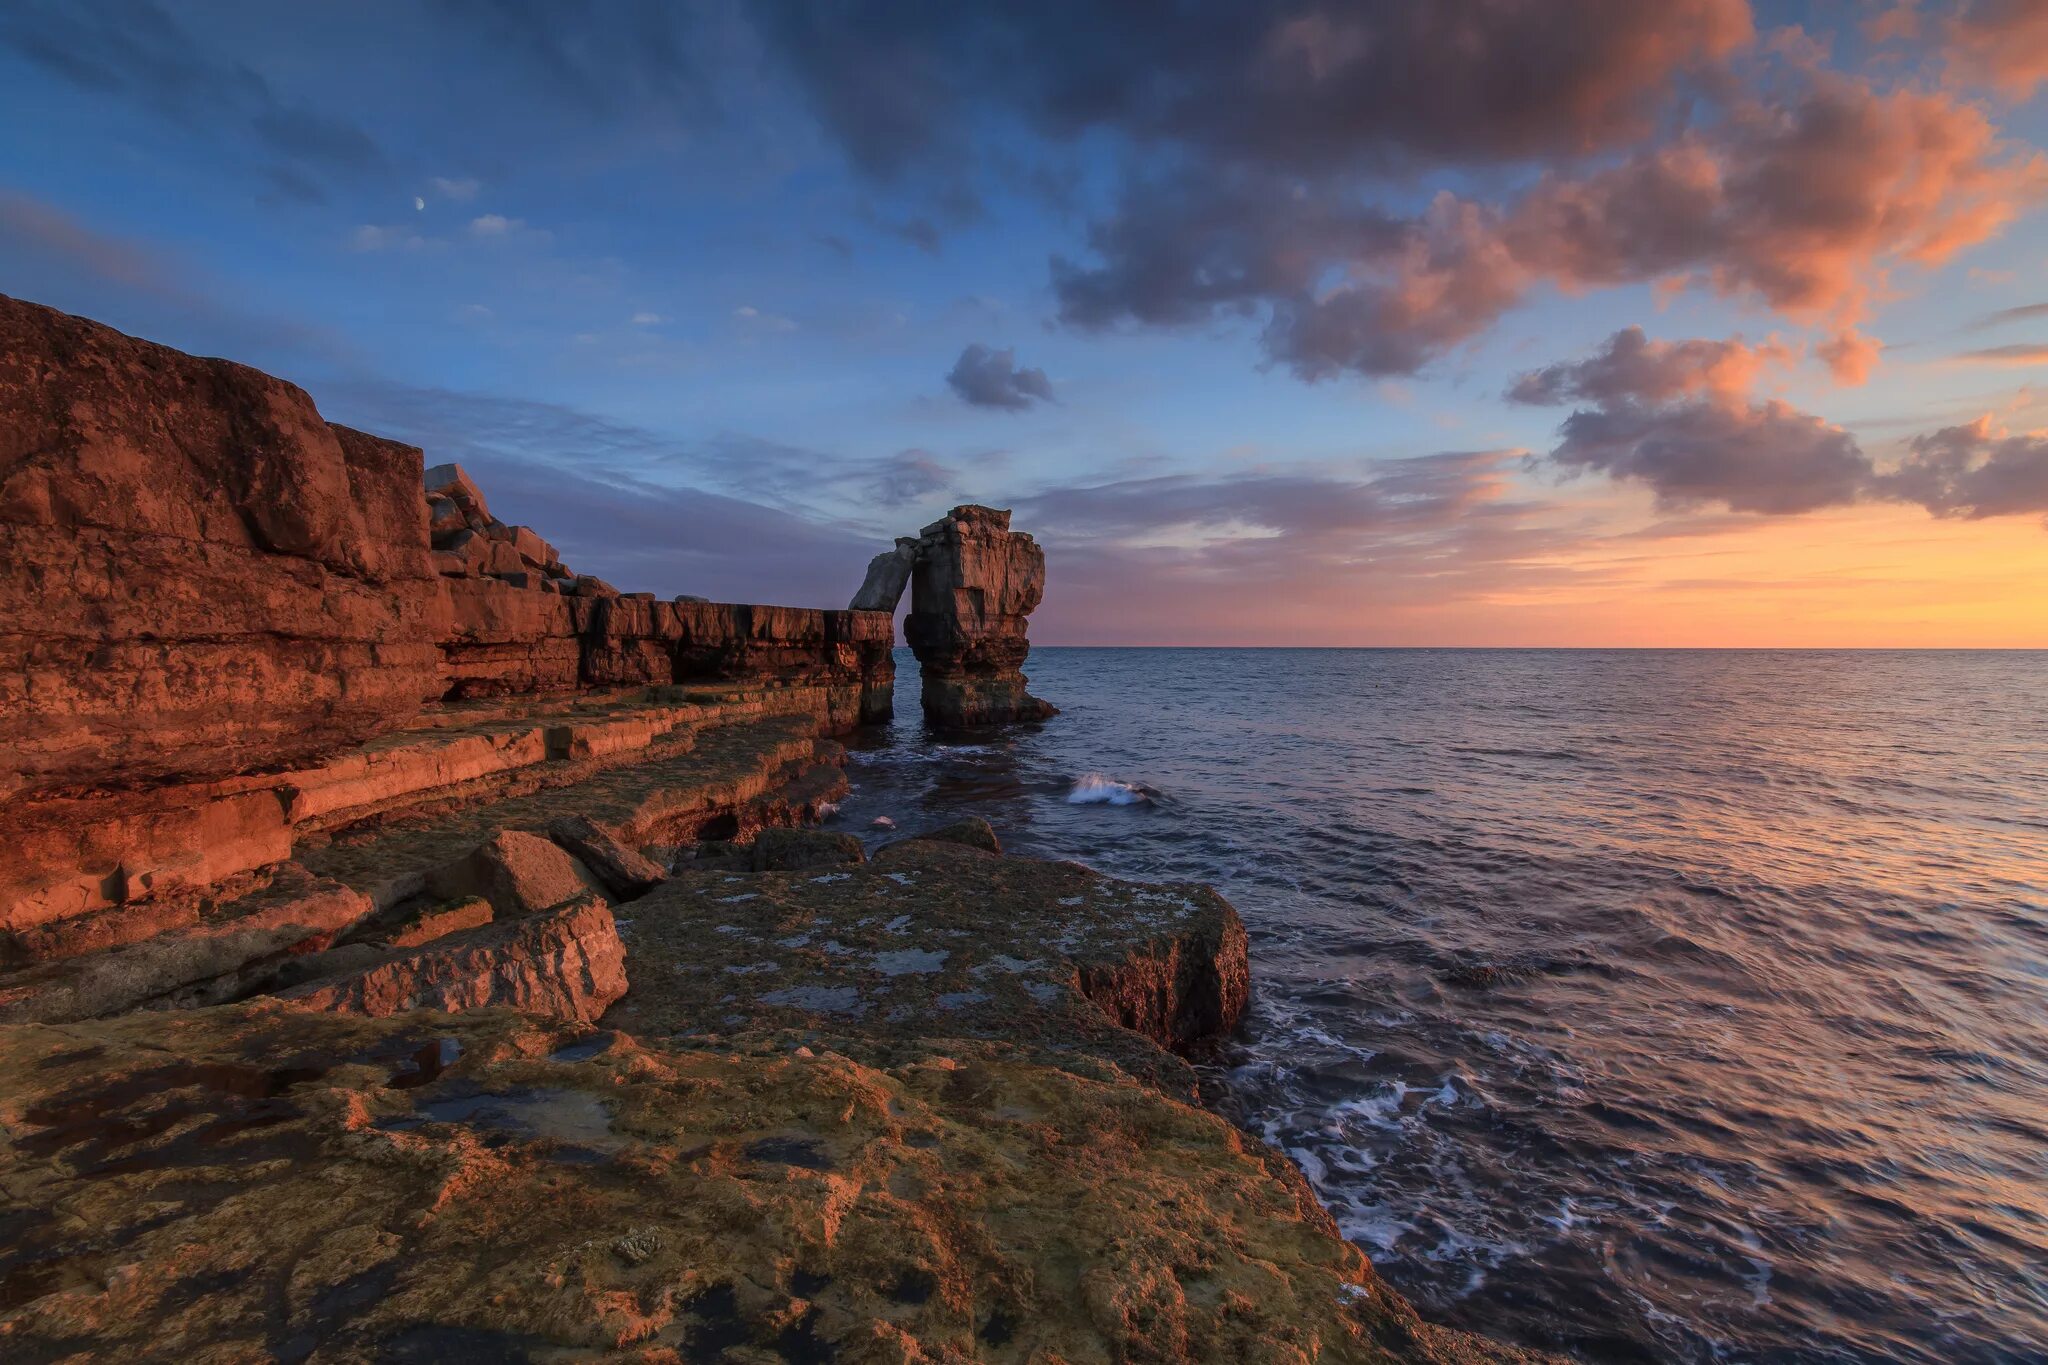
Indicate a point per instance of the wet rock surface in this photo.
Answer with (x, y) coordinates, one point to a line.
(938, 939)
(247, 1183)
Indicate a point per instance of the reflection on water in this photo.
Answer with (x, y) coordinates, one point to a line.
(1652, 1005)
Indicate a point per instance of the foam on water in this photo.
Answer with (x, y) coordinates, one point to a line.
(1095, 789)
(1645, 1005)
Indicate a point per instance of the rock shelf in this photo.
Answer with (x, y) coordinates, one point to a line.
(411, 950)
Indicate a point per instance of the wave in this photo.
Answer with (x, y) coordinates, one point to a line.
(1095, 789)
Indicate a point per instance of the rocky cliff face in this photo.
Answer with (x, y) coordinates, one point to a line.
(201, 575)
(972, 581)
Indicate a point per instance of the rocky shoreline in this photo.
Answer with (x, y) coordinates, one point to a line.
(416, 950)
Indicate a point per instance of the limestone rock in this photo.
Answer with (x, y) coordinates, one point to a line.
(452, 482)
(623, 872)
(566, 963)
(518, 873)
(252, 1183)
(198, 574)
(974, 583)
(888, 576)
(295, 913)
(792, 850)
(972, 832)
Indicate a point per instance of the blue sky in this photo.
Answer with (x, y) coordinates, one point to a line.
(683, 285)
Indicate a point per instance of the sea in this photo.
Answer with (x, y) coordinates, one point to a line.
(1639, 1005)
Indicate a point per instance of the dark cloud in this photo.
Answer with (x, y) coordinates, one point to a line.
(628, 57)
(1299, 88)
(1974, 471)
(134, 49)
(988, 378)
(910, 476)
(1677, 417)
(1797, 199)
(1761, 457)
(1630, 366)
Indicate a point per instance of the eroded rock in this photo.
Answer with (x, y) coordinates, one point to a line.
(623, 872)
(481, 1187)
(518, 873)
(973, 583)
(565, 963)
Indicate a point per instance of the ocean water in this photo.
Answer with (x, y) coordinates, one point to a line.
(1649, 1006)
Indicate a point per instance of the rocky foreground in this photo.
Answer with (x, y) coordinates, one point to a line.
(415, 951)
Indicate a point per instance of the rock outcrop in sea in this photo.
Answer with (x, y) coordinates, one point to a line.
(972, 582)
(411, 949)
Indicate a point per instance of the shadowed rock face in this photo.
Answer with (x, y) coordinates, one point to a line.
(200, 574)
(974, 583)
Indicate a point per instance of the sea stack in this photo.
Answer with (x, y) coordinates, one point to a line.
(972, 584)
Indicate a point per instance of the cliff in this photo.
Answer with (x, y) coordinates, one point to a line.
(411, 949)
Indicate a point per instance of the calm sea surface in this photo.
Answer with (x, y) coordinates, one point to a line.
(1672, 1006)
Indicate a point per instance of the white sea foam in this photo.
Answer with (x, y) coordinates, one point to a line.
(1097, 789)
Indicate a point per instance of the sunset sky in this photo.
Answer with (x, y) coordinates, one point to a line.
(1523, 322)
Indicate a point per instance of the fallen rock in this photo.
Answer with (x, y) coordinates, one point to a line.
(452, 482)
(518, 873)
(436, 919)
(565, 963)
(623, 873)
(295, 913)
(791, 850)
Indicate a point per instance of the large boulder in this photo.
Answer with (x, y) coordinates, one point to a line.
(199, 576)
(518, 873)
(565, 964)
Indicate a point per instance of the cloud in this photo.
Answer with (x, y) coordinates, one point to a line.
(1757, 457)
(133, 48)
(2023, 313)
(62, 262)
(1629, 366)
(910, 476)
(1300, 89)
(1801, 203)
(1678, 418)
(2003, 42)
(2020, 354)
(1974, 471)
(988, 378)
(460, 190)
(757, 322)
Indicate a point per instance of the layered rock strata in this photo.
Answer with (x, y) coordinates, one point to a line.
(972, 582)
(201, 576)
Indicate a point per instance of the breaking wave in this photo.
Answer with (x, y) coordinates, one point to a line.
(1095, 789)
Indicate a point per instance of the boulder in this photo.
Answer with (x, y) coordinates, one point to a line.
(451, 482)
(972, 832)
(793, 850)
(444, 517)
(435, 919)
(624, 873)
(566, 963)
(518, 873)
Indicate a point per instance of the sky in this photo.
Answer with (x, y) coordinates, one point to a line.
(1474, 322)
